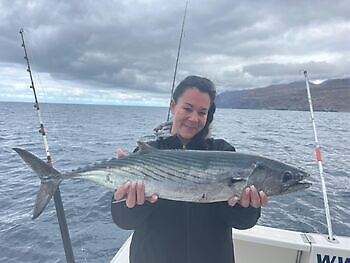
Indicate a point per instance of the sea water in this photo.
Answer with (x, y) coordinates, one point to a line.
(83, 134)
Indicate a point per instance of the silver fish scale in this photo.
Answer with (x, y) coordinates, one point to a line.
(187, 166)
(169, 168)
(190, 175)
(194, 176)
(170, 165)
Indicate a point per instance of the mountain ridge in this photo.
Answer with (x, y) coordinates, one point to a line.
(330, 95)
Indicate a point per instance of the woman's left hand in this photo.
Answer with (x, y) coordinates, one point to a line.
(250, 197)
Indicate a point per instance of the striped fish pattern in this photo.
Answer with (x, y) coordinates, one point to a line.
(182, 175)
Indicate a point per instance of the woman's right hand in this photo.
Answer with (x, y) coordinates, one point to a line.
(135, 191)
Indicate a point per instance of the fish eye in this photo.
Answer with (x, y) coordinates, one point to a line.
(287, 176)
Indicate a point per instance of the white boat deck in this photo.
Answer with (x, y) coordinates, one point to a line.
(272, 245)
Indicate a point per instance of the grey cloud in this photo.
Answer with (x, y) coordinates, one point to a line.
(132, 45)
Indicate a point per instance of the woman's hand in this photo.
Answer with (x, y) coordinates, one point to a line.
(135, 191)
(250, 197)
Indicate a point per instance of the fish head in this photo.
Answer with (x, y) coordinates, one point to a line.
(275, 178)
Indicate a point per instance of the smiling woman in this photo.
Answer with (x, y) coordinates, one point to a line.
(191, 114)
(190, 107)
(173, 231)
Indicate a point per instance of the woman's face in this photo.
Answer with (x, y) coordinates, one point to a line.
(189, 114)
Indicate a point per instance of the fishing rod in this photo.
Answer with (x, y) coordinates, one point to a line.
(177, 58)
(319, 161)
(57, 196)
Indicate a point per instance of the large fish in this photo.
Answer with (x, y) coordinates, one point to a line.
(183, 175)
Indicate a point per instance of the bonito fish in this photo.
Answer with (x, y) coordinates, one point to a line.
(182, 175)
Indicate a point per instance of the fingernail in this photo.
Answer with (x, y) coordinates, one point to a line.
(247, 190)
(252, 187)
(153, 198)
(261, 192)
(233, 201)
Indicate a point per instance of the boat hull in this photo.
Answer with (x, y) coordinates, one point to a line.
(273, 245)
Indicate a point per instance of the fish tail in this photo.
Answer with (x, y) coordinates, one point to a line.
(50, 180)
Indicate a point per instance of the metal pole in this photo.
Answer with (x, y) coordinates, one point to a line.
(177, 58)
(319, 161)
(57, 196)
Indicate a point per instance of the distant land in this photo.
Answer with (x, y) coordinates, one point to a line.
(330, 95)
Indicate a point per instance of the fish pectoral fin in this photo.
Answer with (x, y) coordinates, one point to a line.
(246, 173)
(231, 179)
(235, 180)
(145, 148)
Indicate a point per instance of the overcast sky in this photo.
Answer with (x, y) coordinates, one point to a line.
(124, 51)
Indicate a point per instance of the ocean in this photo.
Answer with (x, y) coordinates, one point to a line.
(84, 134)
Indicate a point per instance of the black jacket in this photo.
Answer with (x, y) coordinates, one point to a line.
(182, 232)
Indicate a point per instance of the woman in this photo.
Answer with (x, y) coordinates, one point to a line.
(171, 231)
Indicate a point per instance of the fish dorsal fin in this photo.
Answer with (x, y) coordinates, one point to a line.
(145, 148)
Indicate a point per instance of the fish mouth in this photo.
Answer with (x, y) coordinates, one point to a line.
(302, 175)
(296, 187)
(298, 184)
